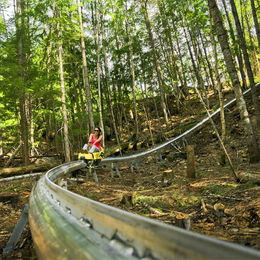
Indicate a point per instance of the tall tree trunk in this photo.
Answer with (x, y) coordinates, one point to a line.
(85, 71)
(145, 95)
(96, 35)
(220, 92)
(48, 65)
(198, 71)
(183, 69)
(251, 140)
(83, 107)
(203, 65)
(63, 100)
(31, 125)
(1, 141)
(75, 90)
(156, 61)
(172, 72)
(132, 72)
(247, 62)
(195, 69)
(236, 47)
(104, 44)
(171, 55)
(207, 60)
(257, 28)
(120, 72)
(22, 99)
(254, 58)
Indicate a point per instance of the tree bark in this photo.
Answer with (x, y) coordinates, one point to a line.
(196, 71)
(156, 61)
(236, 47)
(220, 92)
(75, 91)
(22, 99)
(7, 172)
(63, 100)
(249, 177)
(247, 62)
(171, 55)
(104, 43)
(96, 36)
(251, 140)
(31, 125)
(83, 108)
(85, 71)
(132, 72)
(253, 52)
(1, 142)
(257, 28)
(208, 62)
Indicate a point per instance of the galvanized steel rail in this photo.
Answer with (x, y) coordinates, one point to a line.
(65, 225)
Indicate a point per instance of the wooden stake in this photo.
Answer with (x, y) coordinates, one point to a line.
(190, 161)
(183, 221)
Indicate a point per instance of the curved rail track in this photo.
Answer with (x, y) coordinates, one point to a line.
(65, 225)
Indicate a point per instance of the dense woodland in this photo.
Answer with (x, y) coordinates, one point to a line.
(68, 66)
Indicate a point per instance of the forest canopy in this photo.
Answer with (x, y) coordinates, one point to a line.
(68, 66)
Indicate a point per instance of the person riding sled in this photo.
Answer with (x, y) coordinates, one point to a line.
(94, 142)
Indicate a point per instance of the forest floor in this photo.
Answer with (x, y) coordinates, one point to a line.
(160, 190)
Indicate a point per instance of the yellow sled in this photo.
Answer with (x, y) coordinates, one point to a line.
(91, 156)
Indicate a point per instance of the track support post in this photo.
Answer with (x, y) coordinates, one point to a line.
(14, 239)
(93, 171)
(158, 155)
(114, 167)
(134, 164)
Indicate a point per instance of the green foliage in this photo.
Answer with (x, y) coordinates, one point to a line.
(40, 78)
(151, 201)
(219, 189)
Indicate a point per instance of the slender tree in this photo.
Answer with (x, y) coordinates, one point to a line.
(253, 148)
(246, 58)
(63, 99)
(22, 99)
(235, 46)
(156, 60)
(104, 45)
(220, 92)
(96, 35)
(257, 28)
(252, 47)
(132, 71)
(85, 71)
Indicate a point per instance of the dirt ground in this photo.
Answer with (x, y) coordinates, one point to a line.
(161, 191)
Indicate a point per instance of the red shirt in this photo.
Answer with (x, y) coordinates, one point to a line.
(97, 144)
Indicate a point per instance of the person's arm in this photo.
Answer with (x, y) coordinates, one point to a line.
(89, 141)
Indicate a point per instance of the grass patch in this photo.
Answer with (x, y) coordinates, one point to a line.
(151, 201)
(186, 200)
(219, 189)
(246, 186)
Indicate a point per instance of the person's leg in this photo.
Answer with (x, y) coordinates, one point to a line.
(85, 147)
(94, 149)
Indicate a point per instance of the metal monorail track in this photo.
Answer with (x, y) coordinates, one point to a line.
(65, 225)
